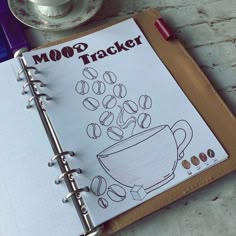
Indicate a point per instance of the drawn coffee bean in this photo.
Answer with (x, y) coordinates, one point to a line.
(186, 164)
(109, 77)
(195, 161)
(106, 118)
(82, 87)
(203, 157)
(90, 73)
(55, 55)
(130, 107)
(102, 202)
(116, 193)
(145, 102)
(144, 120)
(98, 185)
(91, 103)
(94, 131)
(67, 52)
(99, 87)
(120, 91)
(210, 153)
(109, 102)
(115, 133)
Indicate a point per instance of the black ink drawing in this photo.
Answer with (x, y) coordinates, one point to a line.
(130, 107)
(106, 118)
(98, 185)
(166, 147)
(144, 120)
(115, 133)
(120, 91)
(116, 193)
(138, 193)
(109, 102)
(126, 119)
(90, 73)
(187, 165)
(125, 124)
(99, 87)
(82, 87)
(109, 77)
(196, 162)
(91, 104)
(160, 146)
(103, 203)
(94, 131)
(145, 102)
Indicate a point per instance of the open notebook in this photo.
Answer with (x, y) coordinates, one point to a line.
(126, 131)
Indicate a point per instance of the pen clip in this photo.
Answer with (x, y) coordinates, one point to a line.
(164, 29)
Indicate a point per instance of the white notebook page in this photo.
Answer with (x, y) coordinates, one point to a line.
(30, 202)
(116, 105)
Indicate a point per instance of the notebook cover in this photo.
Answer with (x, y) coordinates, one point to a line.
(205, 99)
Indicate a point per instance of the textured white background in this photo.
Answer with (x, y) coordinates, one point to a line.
(207, 29)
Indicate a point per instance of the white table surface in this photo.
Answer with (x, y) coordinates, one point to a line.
(207, 28)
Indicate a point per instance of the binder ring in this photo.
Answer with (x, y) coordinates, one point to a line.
(37, 96)
(51, 163)
(69, 195)
(32, 82)
(27, 68)
(58, 180)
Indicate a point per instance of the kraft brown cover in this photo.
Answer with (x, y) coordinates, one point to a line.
(205, 99)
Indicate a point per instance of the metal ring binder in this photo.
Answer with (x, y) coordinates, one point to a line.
(64, 166)
(37, 96)
(51, 163)
(41, 84)
(69, 195)
(58, 180)
(25, 69)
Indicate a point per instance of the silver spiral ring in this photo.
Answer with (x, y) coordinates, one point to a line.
(51, 163)
(41, 84)
(37, 96)
(58, 180)
(69, 195)
(27, 68)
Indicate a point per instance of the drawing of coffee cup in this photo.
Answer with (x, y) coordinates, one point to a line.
(148, 158)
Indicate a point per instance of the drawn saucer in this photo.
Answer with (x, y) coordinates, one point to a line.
(28, 13)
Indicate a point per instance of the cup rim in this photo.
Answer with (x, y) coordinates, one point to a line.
(49, 3)
(129, 141)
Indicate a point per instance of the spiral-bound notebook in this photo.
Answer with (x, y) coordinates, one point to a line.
(99, 125)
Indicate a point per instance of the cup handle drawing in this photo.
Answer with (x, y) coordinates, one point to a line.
(184, 126)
